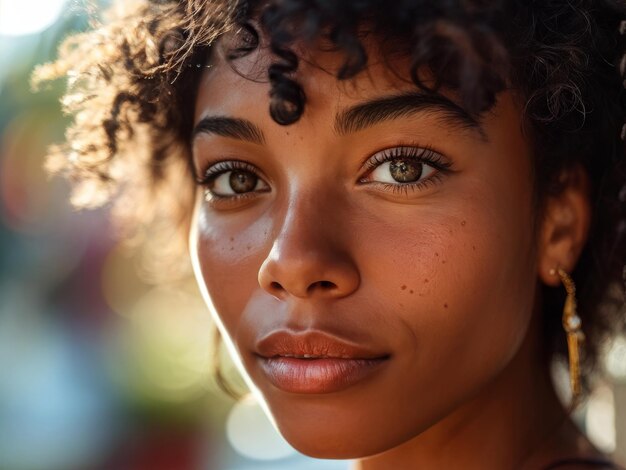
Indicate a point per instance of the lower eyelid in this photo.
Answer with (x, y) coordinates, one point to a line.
(224, 201)
(406, 187)
(214, 170)
(217, 199)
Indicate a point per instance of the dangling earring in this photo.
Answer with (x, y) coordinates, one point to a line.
(575, 337)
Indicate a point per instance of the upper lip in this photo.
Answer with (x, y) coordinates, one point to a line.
(312, 344)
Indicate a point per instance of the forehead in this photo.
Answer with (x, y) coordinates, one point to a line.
(381, 92)
(228, 85)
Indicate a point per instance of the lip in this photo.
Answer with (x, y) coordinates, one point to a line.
(314, 362)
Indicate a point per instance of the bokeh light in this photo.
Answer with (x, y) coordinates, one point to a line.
(121, 284)
(601, 419)
(615, 361)
(70, 425)
(22, 17)
(252, 435)
(167, 345)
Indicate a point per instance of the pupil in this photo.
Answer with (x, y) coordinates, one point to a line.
(242, 181)
(405, 171)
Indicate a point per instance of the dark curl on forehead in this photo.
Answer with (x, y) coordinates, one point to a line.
(134, 83)
(457, 41)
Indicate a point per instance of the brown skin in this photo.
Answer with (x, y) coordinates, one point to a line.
(444, 277)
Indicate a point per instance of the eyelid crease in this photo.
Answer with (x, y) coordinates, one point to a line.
(423, 154)
(213, 170)
(417, 152)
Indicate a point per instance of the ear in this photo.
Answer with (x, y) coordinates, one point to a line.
(565, 225)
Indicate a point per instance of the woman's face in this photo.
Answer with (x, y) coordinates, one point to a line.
(384, 219)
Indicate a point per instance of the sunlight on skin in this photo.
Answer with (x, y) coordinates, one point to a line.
(230, 346)
(256, 257)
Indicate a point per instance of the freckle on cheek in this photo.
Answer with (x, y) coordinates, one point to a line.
(445, 305)
(403, 287)
(425, 281)
(411, 291)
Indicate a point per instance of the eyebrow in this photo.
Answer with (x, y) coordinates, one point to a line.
(355, 118)
(235, 128)
(387, 108)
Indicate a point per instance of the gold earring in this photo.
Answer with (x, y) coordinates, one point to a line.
(575, 337)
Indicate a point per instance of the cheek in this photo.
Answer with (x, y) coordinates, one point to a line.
(229, 253)
(460, 286)
(448, 287)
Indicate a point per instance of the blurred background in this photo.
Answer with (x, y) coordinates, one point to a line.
(99, 370)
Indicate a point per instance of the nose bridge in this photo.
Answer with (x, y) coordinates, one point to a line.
(307, 222)
(310, 255)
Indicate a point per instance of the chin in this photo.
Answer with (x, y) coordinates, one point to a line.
(322, 447)
(342, 440)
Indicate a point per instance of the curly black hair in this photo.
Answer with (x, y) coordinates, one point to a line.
(134, 78)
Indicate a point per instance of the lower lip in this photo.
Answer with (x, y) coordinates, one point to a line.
(312, 376)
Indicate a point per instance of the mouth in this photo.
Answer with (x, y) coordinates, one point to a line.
(315, 363)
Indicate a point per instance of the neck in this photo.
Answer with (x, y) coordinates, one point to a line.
(504, 426)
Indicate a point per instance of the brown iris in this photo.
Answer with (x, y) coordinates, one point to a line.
(242, 181)
(405, 171)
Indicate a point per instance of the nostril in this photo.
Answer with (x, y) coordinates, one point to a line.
(276, 286)
(322, 286)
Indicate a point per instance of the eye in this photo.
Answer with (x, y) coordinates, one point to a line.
(401, 170)
(232, 180)
(404, 168)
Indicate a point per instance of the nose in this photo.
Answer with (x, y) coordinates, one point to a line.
(310, 256)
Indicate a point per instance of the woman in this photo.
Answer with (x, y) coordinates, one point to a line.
(404, 211)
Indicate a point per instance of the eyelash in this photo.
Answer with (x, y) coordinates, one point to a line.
(424, 155)
(217, 169)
